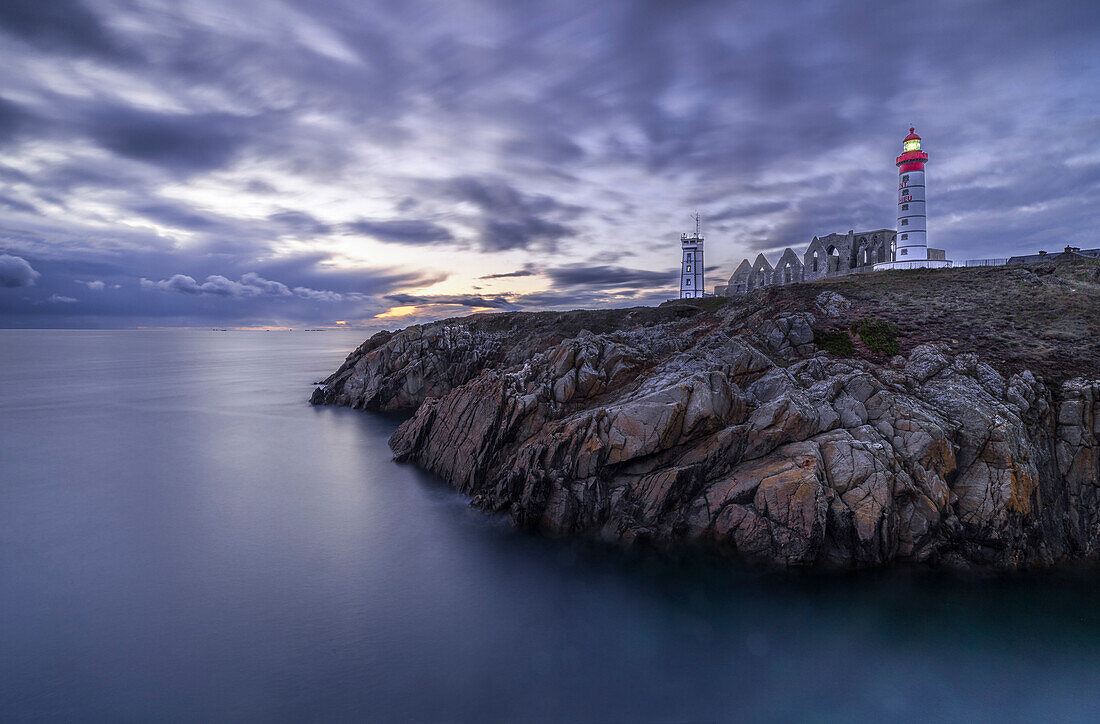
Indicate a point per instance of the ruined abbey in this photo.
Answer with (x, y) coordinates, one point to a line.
(839, 254)
(827, 256)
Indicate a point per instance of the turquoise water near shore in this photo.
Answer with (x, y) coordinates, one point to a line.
(183, 537)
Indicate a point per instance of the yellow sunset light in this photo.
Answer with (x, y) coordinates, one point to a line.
(397, 312)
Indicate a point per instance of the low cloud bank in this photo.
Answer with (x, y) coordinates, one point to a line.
(15, 271)
(250, 285)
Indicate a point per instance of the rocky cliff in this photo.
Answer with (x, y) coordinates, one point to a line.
(730, 429)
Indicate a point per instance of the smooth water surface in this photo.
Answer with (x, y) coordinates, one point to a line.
(183, 537)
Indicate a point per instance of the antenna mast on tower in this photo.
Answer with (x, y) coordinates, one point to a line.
(698, 223)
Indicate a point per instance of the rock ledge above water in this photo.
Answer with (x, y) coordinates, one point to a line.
(728, 429)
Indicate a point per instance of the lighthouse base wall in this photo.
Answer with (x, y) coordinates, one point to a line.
(913, 264)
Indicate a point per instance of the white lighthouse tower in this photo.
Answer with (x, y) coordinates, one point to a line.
(912, 241)
(912, 219)
(691, 264)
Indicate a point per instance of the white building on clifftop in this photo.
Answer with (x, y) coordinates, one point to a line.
(691, 264)
(912, 240)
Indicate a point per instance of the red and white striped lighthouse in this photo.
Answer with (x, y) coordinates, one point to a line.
(912, 244)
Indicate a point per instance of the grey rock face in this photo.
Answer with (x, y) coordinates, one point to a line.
(833, 305)
(397, 371)
(733, 433)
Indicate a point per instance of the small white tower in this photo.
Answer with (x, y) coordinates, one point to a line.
(691, 264)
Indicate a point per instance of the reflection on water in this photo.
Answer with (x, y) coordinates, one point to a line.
(183, 537)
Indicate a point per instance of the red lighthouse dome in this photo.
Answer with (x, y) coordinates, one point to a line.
(911, 158)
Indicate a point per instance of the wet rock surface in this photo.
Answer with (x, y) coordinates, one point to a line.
(729, 430)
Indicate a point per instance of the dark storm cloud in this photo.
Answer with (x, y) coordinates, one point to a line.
(17, 205)
(64, 25)
(175, 142)
(463, 300)
(573, 275)
(402, 231)
(746, 210)
(591, 298)
(820, 215)
(13, 119)
(181, 216)
(315, 270)
(548, 148)
(500, 199)
(299, 222)
(530, 232)
(16, 272)
(510, 219)
(505, 275)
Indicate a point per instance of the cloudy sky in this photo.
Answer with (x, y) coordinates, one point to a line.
(378, 162)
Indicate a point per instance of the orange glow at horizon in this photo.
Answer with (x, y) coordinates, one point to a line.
(402, 311)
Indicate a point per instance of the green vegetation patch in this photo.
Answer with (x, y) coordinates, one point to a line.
(879, 336)
(838, 343)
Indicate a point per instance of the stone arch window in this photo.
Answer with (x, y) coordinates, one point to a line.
(815, 260)
(787, 274)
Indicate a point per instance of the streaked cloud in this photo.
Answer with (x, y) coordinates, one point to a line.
(402, 231)
(307, 163)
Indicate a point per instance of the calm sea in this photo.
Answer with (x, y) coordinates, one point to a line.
(183, 538)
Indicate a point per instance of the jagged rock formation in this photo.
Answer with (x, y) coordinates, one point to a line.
(729, 430)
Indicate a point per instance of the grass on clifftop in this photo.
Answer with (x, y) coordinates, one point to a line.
(879, 336)
(838, 343)
(1043, 317)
